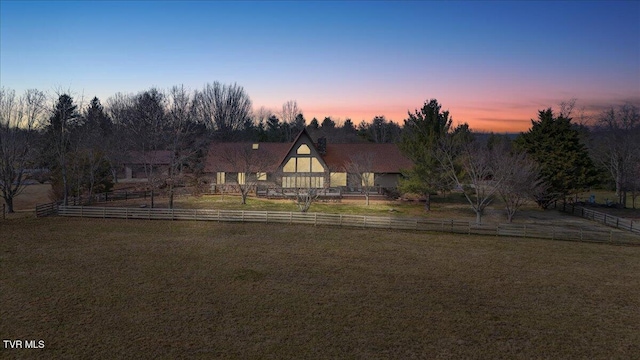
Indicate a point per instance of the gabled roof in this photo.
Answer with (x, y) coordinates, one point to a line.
(152, 157)
(216, 157)
(387, 158)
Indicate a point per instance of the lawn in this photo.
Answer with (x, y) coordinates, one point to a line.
(160, 289)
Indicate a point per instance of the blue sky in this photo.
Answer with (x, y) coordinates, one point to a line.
(492, 64)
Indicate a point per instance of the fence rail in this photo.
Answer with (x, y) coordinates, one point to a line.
(359, 221)
(49, 209)
(602, 218)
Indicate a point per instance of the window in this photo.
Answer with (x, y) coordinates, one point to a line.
(316, 166)
(367, 179)
(261, 176)
(304, 165)
(304, 150)
(241, 178)
(290, 166)
(220, 178)
(302, 182)
(338, 179)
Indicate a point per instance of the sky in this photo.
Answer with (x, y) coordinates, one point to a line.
(493, 65)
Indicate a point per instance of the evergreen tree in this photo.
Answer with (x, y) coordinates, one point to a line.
(554, 143)
(328, 124)
(314, 124)
(424, 131)
(62, 124)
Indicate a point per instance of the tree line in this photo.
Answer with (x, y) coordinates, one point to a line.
(82, 145)
(554, 160)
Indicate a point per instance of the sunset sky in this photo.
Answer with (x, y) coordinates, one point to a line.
(491, 64)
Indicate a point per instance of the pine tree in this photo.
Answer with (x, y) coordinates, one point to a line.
(554, 143)
(423, 132)
(61, 125)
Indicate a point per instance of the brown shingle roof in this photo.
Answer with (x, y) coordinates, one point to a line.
(387, 158)
(153, 157)
(217, 152)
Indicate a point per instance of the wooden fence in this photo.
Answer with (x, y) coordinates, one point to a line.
(606, 219)
(49, 209)
(358, 221)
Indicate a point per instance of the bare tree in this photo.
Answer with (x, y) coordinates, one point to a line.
(360, 170)
(305, 196)
(19, 117)
(304, 190)
(251, 164)
(142, 120)
(288, 115)
(617, 146)
(470, 165)
(120, 109)
(180, 127)
(225, 109)
(521, 179)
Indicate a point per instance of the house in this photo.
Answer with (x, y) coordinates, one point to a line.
(137, 165)
(304, 163)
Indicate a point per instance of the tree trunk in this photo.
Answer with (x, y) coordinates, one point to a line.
(9, 201)
(427, 202)
(510, 216)
(478, 217)
(65, 187)
(171, 195)
(366, 196)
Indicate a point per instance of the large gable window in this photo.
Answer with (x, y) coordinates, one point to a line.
(303, 150)
(303, 164)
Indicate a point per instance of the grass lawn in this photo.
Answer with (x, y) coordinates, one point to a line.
(156, 289)
(31, 196)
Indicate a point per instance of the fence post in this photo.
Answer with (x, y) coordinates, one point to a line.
(340, 219)
(610, 235)
(525, 231)
(315, 219)
(605, 219)
(581, 234)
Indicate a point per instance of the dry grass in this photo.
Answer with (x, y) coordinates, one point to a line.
(156, 289)
(31, 196)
